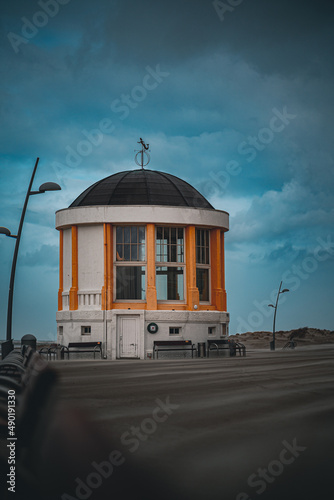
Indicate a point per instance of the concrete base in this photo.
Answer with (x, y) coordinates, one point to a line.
(106, 326)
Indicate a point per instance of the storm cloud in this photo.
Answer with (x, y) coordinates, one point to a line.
(240, 106)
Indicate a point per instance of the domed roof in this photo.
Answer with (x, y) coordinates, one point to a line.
(142, 187)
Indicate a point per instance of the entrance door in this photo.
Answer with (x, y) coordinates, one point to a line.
(128, 330)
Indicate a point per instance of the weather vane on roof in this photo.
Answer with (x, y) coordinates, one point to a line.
(141, 160)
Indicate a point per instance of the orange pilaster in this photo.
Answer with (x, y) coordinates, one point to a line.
(105, 270)
(74, 287)
(61, 271)
(110, 259)
(151, 291)
(107, 289)
(222, 259)
(192, 290)
(217, 298)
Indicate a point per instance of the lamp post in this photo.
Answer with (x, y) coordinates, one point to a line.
(47, 186)
(275, 307)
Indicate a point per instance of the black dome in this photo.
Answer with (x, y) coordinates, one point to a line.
(142, 187)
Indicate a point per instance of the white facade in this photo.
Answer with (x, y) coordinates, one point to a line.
(112, 329)
(83, 273)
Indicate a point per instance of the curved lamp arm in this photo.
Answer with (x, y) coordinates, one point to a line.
(47, 186)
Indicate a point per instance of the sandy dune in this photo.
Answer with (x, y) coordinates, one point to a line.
(302, 336)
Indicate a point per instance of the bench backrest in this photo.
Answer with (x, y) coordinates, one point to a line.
(218, 341)
(172, 342)
(84, 344)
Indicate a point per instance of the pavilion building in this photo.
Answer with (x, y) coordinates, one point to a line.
(141, 259)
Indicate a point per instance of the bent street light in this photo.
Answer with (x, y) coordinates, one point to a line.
(47, 186)
(275, 307)
(4, 230)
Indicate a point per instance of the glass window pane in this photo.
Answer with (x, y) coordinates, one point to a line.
(130, 243)
(180, 284)
(159, 233)
(169, 283)
(157, 251)
(203, 255)
(126, 254)
(198, 255)
(134, 252)
(119, 234)
(169, 244)
(172, 254)
(133, 234)
(160, 253)
(202, 246)
(173, 235)
(141, 252)
(141, 234)
(126, 234)
(163, 255)
(119, 252)
(180, 253)
(166, 235)
(172, 283)
(130, 283)
(161, 283)
(207, 258)
(202, 283)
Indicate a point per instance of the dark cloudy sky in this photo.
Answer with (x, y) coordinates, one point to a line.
(241, 106)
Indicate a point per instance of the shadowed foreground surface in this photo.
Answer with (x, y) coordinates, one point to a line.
(234, 428)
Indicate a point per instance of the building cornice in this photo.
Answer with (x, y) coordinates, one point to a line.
(137, 214)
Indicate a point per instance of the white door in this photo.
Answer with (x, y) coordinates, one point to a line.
(128, 330)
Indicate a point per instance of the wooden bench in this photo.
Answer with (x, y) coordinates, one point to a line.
(77, 347)
(173, 345)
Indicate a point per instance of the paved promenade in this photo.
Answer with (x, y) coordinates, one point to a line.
(230, 428)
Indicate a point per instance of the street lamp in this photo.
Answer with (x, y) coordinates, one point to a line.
(275, 307)
(47, 186)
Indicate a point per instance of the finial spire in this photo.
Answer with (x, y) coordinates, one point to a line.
(142, 162)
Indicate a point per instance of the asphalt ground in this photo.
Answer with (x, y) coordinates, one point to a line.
(228, 428)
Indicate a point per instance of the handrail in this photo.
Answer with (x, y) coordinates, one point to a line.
(98, 346)
(62, 351)
(51, 350)
(214, 343)
(290, 344)
(242, 347)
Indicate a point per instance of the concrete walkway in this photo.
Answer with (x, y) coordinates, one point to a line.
(228, 428)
